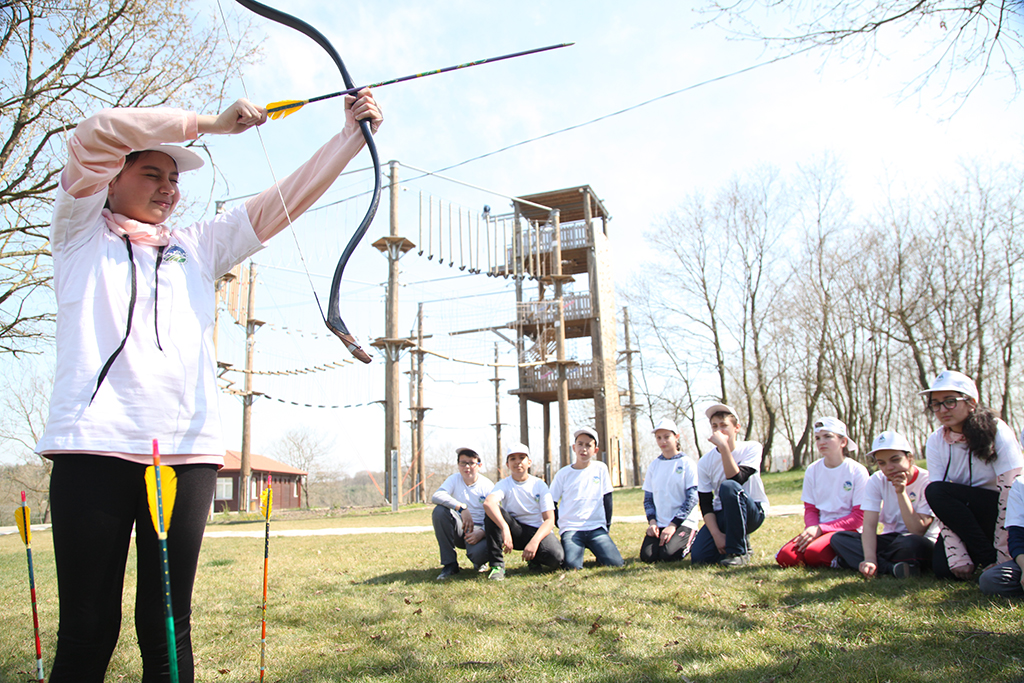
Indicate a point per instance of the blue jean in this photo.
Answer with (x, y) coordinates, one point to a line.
(738, 517)
(597, 541)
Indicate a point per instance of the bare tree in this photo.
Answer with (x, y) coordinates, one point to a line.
(963, 40)
(306, 449)
(756, 216)
(25, 405)
(61, 62)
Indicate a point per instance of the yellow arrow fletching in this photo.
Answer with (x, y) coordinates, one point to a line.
(266, 502)
(22, 517)
(285, 108)
(169, 489)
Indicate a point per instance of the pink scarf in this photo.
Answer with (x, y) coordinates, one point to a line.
(136, 231)
(951, 437)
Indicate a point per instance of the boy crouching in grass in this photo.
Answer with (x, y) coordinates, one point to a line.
(729, 491)
(894, 494)
(520, 516)
(583, 492)
(459, 516)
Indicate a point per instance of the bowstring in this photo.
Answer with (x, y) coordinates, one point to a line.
(273, 174)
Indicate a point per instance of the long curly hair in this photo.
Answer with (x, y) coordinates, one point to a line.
(980, 433)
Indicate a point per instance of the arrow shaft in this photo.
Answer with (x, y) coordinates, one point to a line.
(266, 572)
(410, 77)
(161, 534)
(23, 510)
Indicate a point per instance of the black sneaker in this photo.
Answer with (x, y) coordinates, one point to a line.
(904, 570)
(448, 572)
(734, 560)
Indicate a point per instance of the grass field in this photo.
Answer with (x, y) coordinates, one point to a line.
(367, 608)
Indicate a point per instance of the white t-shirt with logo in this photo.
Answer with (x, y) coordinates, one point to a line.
(834, 490)
(524, 500)
(454, 487)
(880, 496)
(711, 474)
(92, 285)
(580, 496)
(668, 480)
(952, 462)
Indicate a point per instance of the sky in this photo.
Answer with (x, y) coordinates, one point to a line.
(641, 164)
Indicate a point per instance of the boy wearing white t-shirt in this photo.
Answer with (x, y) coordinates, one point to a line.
(582, 493)
(895, 496)
(730, 492)
(670, 500)
(520, 516)
(459, 516)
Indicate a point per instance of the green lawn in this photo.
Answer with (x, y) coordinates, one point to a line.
(367, 608)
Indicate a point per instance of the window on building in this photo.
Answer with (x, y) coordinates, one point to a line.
(225, 488)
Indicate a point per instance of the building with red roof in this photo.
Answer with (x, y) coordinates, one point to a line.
(286, 482)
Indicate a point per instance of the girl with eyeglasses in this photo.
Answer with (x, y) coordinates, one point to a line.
(973, 458)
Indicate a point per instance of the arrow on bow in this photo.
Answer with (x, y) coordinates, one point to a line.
(333, 318)
(279, 110)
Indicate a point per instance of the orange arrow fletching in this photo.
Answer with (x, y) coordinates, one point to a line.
(266, 502)
(169, 489)
(23, 517)
(284, 108)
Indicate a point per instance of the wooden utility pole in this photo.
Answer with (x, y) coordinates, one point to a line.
(563, 379)
(497, 415)
(413, 444)
(394, 247)
(251, 325)
(420, 409)
(633, 433)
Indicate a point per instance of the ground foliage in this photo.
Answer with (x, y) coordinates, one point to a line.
(368, 608)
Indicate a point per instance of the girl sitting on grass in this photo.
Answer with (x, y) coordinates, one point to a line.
(973, 459)
(833, 487)
(894, 494)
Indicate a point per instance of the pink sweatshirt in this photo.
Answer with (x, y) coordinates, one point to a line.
(99, 145)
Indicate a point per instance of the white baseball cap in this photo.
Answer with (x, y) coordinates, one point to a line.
(665, 423)
(891, 441)
(720, 408)
(184, 159)
(588, 431)
(951, 380)
(466, 450)
(837, 427)
(517, 448)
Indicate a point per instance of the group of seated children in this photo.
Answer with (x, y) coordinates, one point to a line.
(520, 512)
(964, 513)
(954, 518)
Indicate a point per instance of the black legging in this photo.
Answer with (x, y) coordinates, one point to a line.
(95, 501)
(969, 512)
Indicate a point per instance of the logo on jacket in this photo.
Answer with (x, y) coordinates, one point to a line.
(175, 255)
(912, 495)
(679, 469)
(847, 485)
(596, 479)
